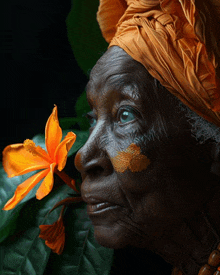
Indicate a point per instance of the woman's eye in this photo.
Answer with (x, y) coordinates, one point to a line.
(126, 116)
(91, 118)
(92, 122)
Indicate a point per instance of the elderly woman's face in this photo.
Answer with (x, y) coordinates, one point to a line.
(140, 168)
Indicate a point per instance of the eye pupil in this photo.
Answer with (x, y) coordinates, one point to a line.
(124, 115)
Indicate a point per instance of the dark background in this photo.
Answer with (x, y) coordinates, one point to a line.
(38, 68)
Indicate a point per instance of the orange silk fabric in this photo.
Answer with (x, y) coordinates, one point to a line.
(175, 40)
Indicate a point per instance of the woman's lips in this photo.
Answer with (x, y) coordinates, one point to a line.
(98, 208)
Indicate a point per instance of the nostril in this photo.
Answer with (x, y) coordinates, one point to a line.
(95, 171)
(97, 167)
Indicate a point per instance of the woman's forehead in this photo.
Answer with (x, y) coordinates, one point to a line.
(113, 88)
(120, 78)
(117, 76)
(113, 62)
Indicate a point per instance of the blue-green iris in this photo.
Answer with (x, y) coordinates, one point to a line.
(126, 116)
(92, 122)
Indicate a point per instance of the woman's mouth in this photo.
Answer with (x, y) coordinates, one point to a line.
(98, 208)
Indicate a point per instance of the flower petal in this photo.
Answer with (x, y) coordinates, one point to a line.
(54, 234)
(17, 160)
(63, 149)
(24, 188)
(47, 185)
(53, 133)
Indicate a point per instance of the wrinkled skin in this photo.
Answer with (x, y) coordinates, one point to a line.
(152, 204)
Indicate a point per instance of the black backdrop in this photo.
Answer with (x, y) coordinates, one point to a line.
(38, 67)
(38, 70)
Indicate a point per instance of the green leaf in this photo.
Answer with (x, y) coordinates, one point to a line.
(82, 254)
(84, 33)
(95, 259)
(68, 122)
(82, 107)
(26, 253)
(9, 226)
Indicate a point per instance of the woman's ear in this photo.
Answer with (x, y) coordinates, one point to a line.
(215, 167)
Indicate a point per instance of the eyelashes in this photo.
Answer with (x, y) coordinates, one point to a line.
(91, 118)
(125, 115)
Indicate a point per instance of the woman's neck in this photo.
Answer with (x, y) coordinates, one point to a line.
(191, 242)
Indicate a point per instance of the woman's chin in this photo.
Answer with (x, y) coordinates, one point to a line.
(116, 237)
(111, 236)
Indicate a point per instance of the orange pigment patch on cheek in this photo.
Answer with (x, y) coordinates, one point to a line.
(121, 161)
(138, 163)
(131, 159)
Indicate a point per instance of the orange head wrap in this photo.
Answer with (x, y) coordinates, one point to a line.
(176, 42)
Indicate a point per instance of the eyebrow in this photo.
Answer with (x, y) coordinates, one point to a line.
(130, 92)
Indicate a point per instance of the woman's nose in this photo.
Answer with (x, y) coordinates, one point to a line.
(99, 166)
(92, 159)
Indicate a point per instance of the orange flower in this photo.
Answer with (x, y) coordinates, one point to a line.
(54, 234)
(19, 159)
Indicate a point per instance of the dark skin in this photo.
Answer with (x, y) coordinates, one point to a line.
(152, 208)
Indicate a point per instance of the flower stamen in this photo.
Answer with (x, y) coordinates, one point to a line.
(31, 147)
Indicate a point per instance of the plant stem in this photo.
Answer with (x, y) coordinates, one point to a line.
(68, 180)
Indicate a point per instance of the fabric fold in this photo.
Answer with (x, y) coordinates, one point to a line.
(116, 9)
